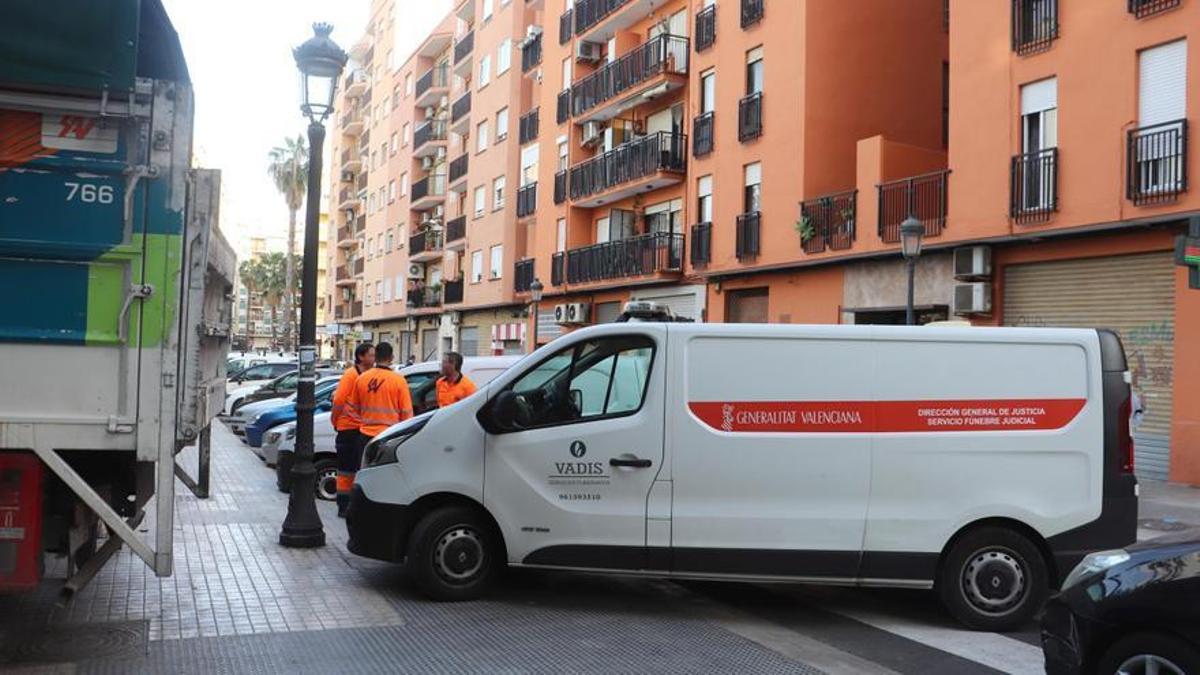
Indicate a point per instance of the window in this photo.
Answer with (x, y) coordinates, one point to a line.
(399, 292)
(561, 244)
(498, 193)
(1158, 147)
(371, 207)
(388, 241)
(752, 197)
(487, 9)
(404, 184)
(501, 124)
(754, 71)
(480, 201)
(497, 260)
(563, 155)
(374, 160)
(407, 134)
(481, 136)
(367, 300)
(504, 56)
(1039, 137)
(392, 146)
(485, 70)
(379, 291)
(604, 377)
(567, 66)
(665, 217)
(476, 266)
(408, 84)
(387, 291)
(391, 191)
(704, 205)
(529, 164)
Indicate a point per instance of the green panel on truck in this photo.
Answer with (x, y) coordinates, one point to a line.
(70, 45)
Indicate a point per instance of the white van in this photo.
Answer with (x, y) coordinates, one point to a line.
(980, 462)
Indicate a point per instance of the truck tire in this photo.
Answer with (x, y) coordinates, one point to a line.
(993, 579)
(1135, 654)
(454, 554)
(326, 487)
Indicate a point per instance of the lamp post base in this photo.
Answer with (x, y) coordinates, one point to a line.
(302, 527)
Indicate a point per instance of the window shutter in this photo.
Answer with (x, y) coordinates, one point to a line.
(1162, 84)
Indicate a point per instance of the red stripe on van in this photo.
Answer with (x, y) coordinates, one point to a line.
(888, 416)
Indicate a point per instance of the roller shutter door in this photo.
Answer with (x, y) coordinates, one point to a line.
(681, 305)
(1132, 294)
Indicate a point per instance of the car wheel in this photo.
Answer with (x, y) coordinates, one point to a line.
(326, 480)
(454, 554)
(993, 579)
(1148, 654)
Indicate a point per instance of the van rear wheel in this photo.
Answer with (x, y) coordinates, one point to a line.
(454, 554)
(993, 579)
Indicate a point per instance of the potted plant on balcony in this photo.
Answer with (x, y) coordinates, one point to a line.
(806, 230)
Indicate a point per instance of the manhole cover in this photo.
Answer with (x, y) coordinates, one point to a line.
(74, 642)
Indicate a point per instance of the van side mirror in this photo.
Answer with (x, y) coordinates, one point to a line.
(577, 400)
(503, 413)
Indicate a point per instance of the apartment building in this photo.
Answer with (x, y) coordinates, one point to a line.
(252, 321)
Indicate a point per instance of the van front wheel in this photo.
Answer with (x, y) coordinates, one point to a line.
(454, 554)
(993, 579)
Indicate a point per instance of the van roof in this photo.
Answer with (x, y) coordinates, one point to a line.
(839, 331)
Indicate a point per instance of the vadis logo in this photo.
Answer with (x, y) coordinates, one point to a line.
(579, 468)
(578, 449)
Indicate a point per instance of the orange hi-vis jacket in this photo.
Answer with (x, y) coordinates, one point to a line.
(450, 393)
(381, 399)
(342, 416)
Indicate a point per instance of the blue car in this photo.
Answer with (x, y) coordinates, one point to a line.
(286, 412)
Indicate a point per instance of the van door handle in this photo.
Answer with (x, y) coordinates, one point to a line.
(630, 463)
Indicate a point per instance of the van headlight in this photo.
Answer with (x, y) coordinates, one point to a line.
(1093, 563)
(382, 449)
(290, 432)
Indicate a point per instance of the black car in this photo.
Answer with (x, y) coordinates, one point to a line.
(1132, 611)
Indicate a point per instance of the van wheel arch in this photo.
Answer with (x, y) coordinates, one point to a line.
(430, 502)
(1015, 525)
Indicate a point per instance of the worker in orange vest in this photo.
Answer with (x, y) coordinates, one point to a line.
(453, 386)
(380, 398)
(346, 422)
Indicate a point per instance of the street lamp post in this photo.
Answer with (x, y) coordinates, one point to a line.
(320, 61)
(535, 294)
(912, 234)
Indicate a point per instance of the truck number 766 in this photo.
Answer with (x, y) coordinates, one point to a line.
(89, 193)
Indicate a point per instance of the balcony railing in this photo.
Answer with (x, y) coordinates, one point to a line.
(428, 241)
(752, 12)
(658, 55)
(636, 256)
(430, 131)
(1158, 160)
(420, 297)
(1034, 25)
(750, 124)
(460, 107)
(456, 229)
(531, 54)
(562, 111)
(558, 268)
(1144, 8)
(361, 182)
(462, 48)
(526, 200)
(639, 158)
(342, 273)
(523, 275)
(347, 195)
(429, 186)
(749, 235)
(360, 224)
(560, 187)
(528, 127)
(438, 76)
(702, 134)
(1034, 186)
(588, 13)
(452, 292)
(829, 222)
(360, 264)
(923, 197)
(566, 26)
(706, 28)
(355, 309)
(701, 244)
(459, 166)
(345, 233)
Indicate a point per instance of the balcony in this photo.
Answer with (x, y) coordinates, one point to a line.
(523, 275)
(706, 28)
(456, 233)
(351, 160)
(750, 124)
(702, 134)
(425, 246)
(752, 12)
(343, 276)
(433, 85)
(749, 235)
(641, 165)
(347, 236)
(352, 122)
(560, 187)
(528, 127)
(701, 244)
(562, 111)
(462, 49)
(424, 297)
(638, 256)
(1033, 188)
(1144, 8)
(361, 183)
(348, 199)
(923, 197)
(526, 200)
(600, 20)
(531, 54)
(460, 115)
(356, 83)
(1158, 159)
(566, 26)
(828, 222)
(428, 192)
(1034, 25)
(347, 311)
(558, 268)
(452, 292)
(359, 266)
(659, 64)
(458, 173)
(429, 137)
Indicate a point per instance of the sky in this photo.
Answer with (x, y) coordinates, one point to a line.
(247, 89)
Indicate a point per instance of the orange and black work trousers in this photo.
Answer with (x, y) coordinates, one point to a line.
(349, 445)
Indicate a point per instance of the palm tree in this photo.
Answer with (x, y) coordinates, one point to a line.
(271, 280)
(248, 271)
(289, 170)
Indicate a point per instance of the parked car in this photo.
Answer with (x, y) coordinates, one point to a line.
(280, 443)
(237, 422)
(256, 376)
(1134, 610)
(285, 411)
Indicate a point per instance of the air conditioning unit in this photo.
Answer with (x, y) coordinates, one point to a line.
(578, 312)
(416, 271)
(440, 155)
(430, 112)
(438, 212)
(560, 314)
(972, 262)
(347, 176)
(593, 133)
(427, 162)
(973, 298)
(532, 32)
(589, 52)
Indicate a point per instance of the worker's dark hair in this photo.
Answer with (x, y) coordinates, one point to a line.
(456, 359)
(361, 351)
(383, 352)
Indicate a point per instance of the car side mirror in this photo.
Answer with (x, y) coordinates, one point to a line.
(503, 413)
(324, 406)
(577, 399)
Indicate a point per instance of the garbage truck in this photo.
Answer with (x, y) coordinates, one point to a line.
(115, 287)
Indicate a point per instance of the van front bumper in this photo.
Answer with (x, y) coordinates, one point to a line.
(377, 530)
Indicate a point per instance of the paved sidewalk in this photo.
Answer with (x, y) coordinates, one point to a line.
(1167, 507)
